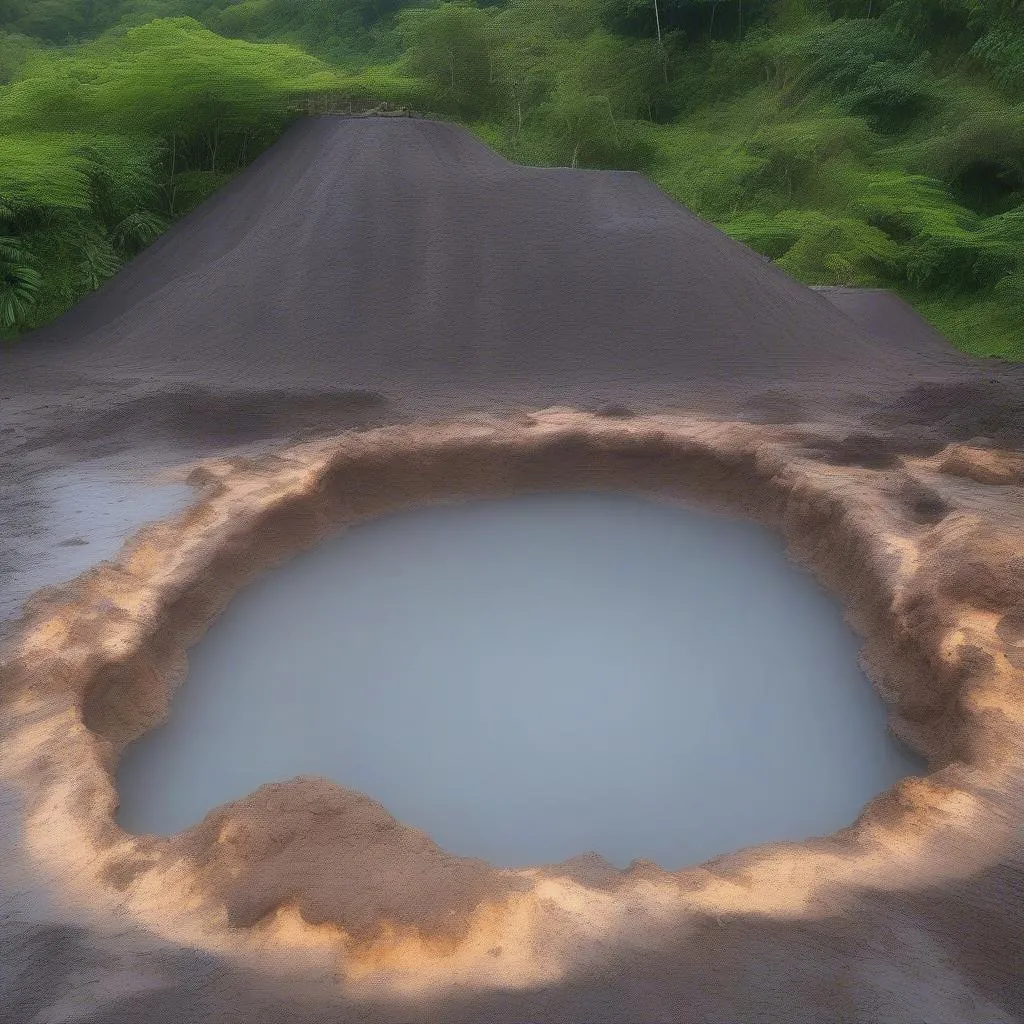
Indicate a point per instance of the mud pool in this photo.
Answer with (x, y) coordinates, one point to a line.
(529, 679)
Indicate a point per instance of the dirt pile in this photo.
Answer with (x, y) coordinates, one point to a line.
(370, 253)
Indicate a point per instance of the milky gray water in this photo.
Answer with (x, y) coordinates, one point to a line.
(70, 519)
(533, 678)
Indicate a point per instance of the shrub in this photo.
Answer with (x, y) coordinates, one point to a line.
(790, 152)
(819, 248)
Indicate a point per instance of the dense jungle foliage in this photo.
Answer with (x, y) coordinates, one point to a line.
(855, 142)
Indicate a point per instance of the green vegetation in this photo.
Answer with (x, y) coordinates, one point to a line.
(858, 142)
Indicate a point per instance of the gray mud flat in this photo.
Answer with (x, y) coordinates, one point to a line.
(72, 519)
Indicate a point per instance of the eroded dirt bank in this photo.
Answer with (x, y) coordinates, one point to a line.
(340, 912)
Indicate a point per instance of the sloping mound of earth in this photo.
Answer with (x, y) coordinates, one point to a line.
(883, 313)
(405, 257)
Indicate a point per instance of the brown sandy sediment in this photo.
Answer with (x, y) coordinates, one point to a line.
(926, 555)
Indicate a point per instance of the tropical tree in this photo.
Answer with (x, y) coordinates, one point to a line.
(20, 282)
(450, 46)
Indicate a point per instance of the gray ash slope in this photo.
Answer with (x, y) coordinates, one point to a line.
(403, 258)
(885, 314)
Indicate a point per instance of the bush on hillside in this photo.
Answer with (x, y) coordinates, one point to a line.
(1002, 53)
(819, 248)
(449, 48)
(980, 159)
(789, 152)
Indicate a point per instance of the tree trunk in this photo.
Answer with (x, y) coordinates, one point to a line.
(211, 148)
(661, 46)
(711, 24)
(739, 33)
(174, 158)
(615, 127)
